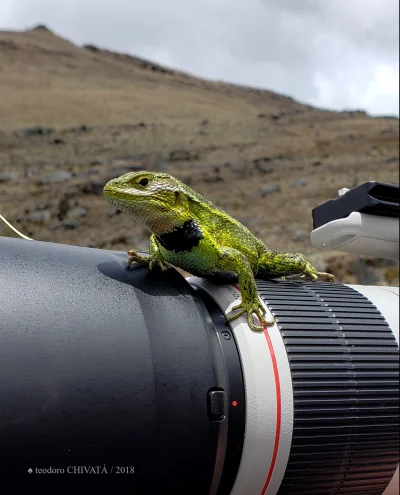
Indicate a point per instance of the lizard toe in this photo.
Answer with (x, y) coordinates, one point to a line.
(157, 263)
(252, 325)
(239, 313)
(163, 265)
(328, 276)
(238, 306)
(266, 321)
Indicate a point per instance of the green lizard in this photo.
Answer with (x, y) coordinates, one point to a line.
(189, 232)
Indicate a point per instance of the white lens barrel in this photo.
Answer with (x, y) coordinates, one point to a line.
(320, 392)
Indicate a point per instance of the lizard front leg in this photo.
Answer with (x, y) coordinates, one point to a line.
(154, 259)
(231, 260)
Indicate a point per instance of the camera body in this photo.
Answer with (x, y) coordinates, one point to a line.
(137, 382)
(363, 220)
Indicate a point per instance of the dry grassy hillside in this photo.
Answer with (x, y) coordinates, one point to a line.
(47, 80)
(72, 117)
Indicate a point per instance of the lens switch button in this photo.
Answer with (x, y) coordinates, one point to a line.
(216, 405)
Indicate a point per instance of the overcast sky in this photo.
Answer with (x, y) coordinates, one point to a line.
(330, 53)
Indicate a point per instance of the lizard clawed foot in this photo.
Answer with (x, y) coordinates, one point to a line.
(162, 265)
(149, 260)
(328, 276)
(138, 258)
(250, 309)
(315, 275)
(311, 272)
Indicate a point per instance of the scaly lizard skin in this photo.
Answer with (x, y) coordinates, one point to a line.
(189, 232)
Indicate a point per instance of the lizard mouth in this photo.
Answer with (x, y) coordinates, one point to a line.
(124, 196)
(108, 190)
(129, 202)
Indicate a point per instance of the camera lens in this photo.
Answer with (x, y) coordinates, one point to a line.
(136, 382)
(322, 391)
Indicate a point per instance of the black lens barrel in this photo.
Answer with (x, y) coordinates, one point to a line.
(105, 374)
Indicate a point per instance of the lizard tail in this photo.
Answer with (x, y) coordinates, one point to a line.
(274, 265)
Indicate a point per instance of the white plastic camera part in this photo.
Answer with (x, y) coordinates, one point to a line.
(360, 233)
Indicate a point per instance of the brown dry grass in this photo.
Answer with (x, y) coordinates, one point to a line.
(47, 80)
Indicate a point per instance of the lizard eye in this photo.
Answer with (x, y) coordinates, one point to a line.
(144, 181)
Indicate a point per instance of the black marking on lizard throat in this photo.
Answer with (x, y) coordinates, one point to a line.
(183, 238)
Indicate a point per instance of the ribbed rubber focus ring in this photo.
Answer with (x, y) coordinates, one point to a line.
(344, 364)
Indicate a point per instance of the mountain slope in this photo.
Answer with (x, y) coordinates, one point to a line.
(48, 80)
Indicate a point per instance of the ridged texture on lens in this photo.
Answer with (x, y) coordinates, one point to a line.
(344, 363)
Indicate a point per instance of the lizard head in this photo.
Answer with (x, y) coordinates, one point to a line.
(156, 200)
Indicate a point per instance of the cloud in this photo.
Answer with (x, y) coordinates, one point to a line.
(337, 54)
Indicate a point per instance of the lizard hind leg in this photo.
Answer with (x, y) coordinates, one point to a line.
(274, 265)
